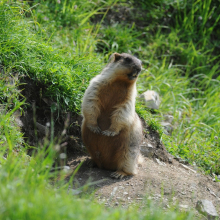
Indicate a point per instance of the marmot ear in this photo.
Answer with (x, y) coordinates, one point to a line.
(114, 57)
(117, 56)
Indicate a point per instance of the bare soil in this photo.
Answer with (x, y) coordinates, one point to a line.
(168, 184)
(160, 177)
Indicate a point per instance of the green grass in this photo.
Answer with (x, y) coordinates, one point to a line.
(183, 68)
(27, 50)
(57, 44)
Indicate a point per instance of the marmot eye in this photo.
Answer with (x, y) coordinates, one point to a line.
(128, 59)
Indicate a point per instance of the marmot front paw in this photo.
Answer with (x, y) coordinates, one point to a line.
(94, 129)
(109, 133)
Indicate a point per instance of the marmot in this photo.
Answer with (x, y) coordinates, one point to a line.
(111, 129)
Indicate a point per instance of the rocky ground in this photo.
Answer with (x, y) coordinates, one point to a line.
(166, 183)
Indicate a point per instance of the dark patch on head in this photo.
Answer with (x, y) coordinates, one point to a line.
(128, 59)
(133, 64)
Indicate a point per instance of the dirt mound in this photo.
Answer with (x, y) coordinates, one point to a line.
(163, 183)
(42, 118)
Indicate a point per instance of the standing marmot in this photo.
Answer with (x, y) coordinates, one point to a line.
(111, 129)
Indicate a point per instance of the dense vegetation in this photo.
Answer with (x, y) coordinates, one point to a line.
(63, 44)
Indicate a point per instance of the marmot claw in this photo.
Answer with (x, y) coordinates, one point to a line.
(109, 133)
(95, 129)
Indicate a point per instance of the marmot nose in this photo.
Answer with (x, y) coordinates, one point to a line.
(137, 69)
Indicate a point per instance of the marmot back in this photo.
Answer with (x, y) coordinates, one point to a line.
(111, 129)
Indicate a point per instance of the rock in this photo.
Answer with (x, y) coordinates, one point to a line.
(211, 192)
(114, 191)
(166, 206)
(66, 168)
(17, 115)
(207, 208)
(218, 177)
(157, 195)
(147, 150)
(168, 118)
(184, 206)
(168, 128)
(167, 191)
(76, 191)
(63, 156)
(160, 162)
(120, 199)
(170, 160)
(151, 98)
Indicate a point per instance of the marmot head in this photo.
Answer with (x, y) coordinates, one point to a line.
(125, 66)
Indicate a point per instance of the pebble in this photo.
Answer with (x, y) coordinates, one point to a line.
(167, 206)
(183, 206)
(167, 191)
(120, 199)
(76, 191)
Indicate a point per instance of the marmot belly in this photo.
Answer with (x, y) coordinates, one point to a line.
(106, 152)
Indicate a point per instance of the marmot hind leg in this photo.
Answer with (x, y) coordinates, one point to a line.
(129, 167)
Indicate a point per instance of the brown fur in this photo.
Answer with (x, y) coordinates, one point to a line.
(120, 151)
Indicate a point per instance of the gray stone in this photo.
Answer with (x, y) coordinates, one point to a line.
(76, 191)
(160, 162)
(151, 98)
(120, 199)
(207, 208)
(183, 206)
(168, 128)
(63, 156)
(66, 169)
(167, 191)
